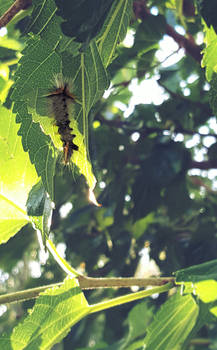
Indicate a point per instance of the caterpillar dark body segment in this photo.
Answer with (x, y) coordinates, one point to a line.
(60, 100)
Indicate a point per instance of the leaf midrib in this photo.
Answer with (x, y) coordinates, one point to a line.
(14, 205)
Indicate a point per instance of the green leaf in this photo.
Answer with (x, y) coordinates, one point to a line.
(33, 82)
(87, 74)
(198, 273)
(209, 53)
(213, 93)
(202, 281)
(40, 208)
(204, 317)
(83, 20)
(39, 146)
(43, 20)
(114, 29)
(55, 312)
(9, 257)
(89, 80)
(137, 345)
(146, 42)
(43, 206)
(172, 324)
(177, 204)
(170, 78)
(46, 23)
(37, 68)
(138, 320)
(151, 30)
(36, 199)
(140, 226)
(11, 44)
(208, 11)
(17, 177)
(165, 163)
(47, 215)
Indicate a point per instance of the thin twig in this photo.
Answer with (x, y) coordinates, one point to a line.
(121, 282)
(15, 8)
(87, 283)
(145, 131)
(176, 95)
(205, 165)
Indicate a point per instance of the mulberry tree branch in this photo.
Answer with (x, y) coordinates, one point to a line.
(89, 283)
(147, 130)
(204, 165)
(15, 8)
(141, 11)
(188, 44)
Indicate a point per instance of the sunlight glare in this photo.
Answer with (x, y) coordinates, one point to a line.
(169, 47)
(179, 29)
(193, 141)
(35, 269)
(135, 136)
(65, 209)
(3, 31)
(129, 38)
(209, 141)
(3, 309)
(204, 130)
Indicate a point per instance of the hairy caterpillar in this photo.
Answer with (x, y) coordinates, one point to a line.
(60, 100)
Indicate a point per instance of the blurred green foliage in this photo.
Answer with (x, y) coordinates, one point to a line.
(149, 193)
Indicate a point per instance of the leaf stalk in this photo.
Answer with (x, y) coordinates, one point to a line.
(129, 297)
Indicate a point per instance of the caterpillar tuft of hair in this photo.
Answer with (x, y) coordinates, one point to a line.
(60, 100)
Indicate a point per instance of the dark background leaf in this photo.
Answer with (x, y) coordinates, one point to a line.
(84, 19)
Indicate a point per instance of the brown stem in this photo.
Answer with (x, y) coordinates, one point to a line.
(189, 8)
(16, 7)
(197, 181)
(121, 282)
(205, 165)
(88, 283)
(188, 44)
(203, 107)
(149, 130)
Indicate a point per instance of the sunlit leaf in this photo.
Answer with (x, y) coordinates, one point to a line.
(87, 75)
(55, 312)
(172, 324)
(10, 43)
(17, 176)
(209, 53)
(202, 281)
(39, 146)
